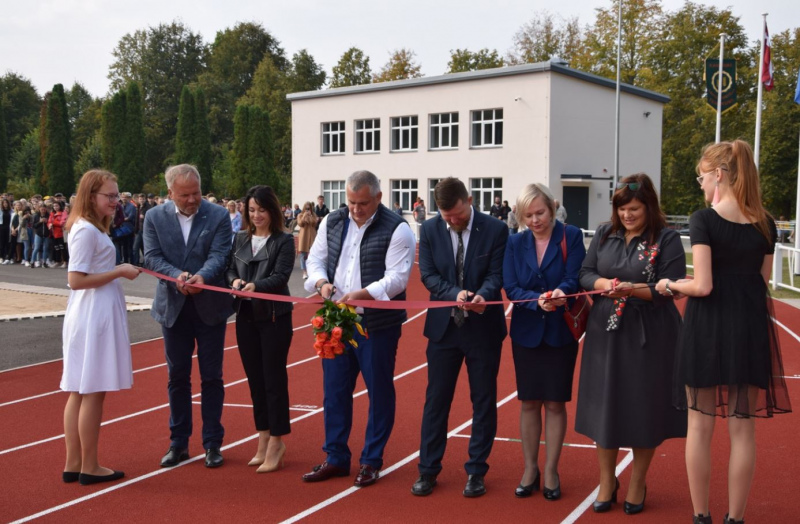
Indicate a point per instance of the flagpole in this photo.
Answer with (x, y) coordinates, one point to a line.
(616, 124)
(719, 87)
(757, 146)
(797, 209)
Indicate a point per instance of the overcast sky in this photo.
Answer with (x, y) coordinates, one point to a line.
(63, 41)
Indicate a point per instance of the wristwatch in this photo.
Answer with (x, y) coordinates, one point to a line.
(666, 286)
(319, 287)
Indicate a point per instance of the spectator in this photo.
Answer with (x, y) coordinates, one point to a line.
(56, 226)
(236, 217)
(13, 246)
(308, 233)
(5, 230)
(40, 235)
(497, 209)
(561, 213)
(24, 235)
(513, 224)
(397, 209)
(420, 213)
(138, 241)
(129, 226)
(321, 210)
(505, 210)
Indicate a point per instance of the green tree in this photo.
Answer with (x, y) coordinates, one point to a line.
(91, 156)
(122, 139)
(3, 145)
(252, 151)
(58, 163)
(546, 36)
(462, 60)
(193, 142)
(185, 139)
(401, 65)
(22, 106)
(135, 167)
(352, 69)
(24, 164)
(84, 116)
(305, 74)
(240, 158)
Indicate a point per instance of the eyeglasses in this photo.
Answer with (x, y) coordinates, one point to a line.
(633, 186)
(113, 197)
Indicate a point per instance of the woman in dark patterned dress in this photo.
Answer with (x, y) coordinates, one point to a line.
(729, 362)
(625, 392)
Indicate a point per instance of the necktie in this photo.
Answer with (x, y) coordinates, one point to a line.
(458, 314)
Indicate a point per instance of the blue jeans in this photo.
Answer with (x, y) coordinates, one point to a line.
(26, 250)
(38, 245)
(179, 343)
(374, 359)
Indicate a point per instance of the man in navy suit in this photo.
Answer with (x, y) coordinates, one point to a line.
(190, 239)
(461, 259)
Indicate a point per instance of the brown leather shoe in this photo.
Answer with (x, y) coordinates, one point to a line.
(325, 471)
(366, 476)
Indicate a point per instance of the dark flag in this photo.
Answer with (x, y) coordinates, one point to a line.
(728, 82)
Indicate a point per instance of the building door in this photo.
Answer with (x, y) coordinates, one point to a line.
(576, 201)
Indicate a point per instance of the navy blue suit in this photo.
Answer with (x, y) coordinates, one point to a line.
(524, 279)
(478, 342)
(186, 320)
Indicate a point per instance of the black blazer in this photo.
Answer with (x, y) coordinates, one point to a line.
(269, 270)
(483, 275)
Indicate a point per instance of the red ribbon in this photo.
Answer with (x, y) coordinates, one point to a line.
(374, 304)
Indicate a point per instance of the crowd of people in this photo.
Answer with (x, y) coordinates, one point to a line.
(724, 353)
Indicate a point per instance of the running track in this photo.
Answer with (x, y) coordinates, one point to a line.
(135, 436)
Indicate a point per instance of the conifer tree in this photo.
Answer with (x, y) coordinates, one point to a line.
(135, 154)
(260, 159)
(3, 147)
(241, 142)
(58, 163)
(193, 141)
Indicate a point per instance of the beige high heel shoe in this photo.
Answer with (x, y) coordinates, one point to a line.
(270, 466)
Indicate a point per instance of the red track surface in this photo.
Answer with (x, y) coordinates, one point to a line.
(136, 435)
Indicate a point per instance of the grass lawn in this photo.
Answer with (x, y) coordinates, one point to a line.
(777, 293)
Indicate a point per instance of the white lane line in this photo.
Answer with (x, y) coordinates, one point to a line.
(542, 442)
(587, 502)
(792, 333)
(161, 471)
(163, 364)
(384, 472)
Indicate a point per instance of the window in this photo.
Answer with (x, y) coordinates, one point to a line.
(368, 135)
(333, 138)
(432, 207)
(484, 191)
(334, 193)
(404, 133)
(405, 192)
(487, 128)
(444, 131)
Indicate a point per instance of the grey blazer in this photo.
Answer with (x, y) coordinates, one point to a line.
(205, 254)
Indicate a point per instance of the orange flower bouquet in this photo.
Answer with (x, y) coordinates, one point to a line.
(334, 325)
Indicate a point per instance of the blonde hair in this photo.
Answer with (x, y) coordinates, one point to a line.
(530, 193)
(736, 159)
(84, 207)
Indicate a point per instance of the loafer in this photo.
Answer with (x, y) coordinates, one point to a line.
(424, 485)
(174, 456)
(70, 476)
(214, 458)
(86, 479)
(325, 471)
(367, 476)
(475, 486)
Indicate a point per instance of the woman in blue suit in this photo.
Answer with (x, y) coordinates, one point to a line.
(537, 267)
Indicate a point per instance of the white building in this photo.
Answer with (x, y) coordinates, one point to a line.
(496, 129)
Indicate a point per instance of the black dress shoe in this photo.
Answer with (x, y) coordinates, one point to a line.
(214, 458)
(633, 509)
(325, 471)
(86, 479)
(552, 494)
(526, 491)
(367, 476)
(732, 521)
(602, 507)
(174, 456)
(424, 485)
(475, 486)
(70, 476)
(701, 519)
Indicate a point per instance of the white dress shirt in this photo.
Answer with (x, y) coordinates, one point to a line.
(399, 261)
(186, 223)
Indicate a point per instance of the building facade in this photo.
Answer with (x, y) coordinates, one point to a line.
(496, 129)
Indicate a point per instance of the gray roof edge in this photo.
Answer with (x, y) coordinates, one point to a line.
(555, 65)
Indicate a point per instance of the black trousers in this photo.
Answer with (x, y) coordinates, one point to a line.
(445, 359)
(264, 348)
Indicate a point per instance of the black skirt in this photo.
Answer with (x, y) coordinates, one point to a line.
(545, 372)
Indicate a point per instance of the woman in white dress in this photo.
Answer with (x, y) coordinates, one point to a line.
(97, 351)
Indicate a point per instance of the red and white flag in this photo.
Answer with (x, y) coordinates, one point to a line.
(766, 75)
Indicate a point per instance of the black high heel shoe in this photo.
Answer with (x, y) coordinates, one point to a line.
(553, 494)
(701, 519)
(732, 521)
(633, 509)
(602, 507)
(526, 491)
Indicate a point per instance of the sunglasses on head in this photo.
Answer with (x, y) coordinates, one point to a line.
(633, 186)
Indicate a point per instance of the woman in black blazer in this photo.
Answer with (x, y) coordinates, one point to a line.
(262, 260)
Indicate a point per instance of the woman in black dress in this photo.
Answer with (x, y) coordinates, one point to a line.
(625, 392)
(729, 362)
(262, 260)
(542, 263)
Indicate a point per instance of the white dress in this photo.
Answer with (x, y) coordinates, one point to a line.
(97, 350)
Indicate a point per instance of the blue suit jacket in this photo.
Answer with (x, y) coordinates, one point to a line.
(205, 254)
(523, 279)
(483, 263)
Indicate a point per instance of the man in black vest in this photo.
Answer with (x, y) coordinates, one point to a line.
(362, 252)
(461, 259)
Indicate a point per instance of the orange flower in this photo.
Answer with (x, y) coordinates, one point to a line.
(321, 337)
(338, 349)
(317, 322)
(336, 333)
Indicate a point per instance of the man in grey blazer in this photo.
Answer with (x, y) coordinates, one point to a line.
(190, 239)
